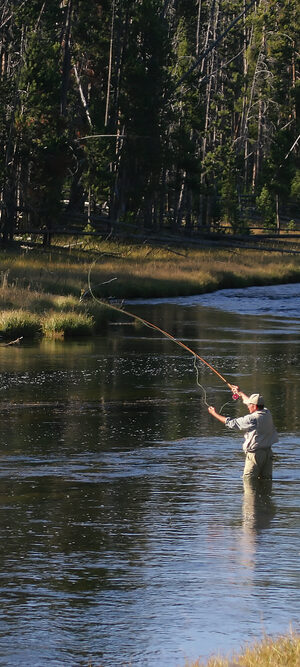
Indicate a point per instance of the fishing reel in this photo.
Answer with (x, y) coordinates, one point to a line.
(235, 396)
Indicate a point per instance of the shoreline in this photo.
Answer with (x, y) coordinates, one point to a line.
(45, 292)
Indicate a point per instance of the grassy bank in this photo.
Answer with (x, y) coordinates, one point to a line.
(281, 652)
(40, 290)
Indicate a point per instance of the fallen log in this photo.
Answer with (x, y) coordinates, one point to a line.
(13, 342)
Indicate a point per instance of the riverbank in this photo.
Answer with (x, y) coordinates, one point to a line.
(281, 652)
(46, 292)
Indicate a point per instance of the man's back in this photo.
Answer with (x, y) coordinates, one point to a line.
(259, 427)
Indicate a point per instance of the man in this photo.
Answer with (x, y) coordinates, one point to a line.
(259, 437)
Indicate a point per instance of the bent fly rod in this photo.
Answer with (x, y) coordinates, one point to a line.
(120, 309)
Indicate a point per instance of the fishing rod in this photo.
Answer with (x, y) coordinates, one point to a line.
(120, 309)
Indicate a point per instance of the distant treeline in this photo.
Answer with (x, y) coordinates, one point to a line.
(158, 113)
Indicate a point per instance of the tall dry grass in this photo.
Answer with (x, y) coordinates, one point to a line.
(40, 282)
(67, 325)
(145, 271)
(283, 651)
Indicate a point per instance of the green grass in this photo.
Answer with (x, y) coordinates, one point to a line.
(68, 324)
(280, 652)
(15, 323)
(43, 283)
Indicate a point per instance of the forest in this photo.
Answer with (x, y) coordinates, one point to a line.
(161, 114)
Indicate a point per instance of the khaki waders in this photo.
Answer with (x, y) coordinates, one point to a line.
(259, 464)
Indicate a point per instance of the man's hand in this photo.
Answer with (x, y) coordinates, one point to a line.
(241, 394)
(212, 411)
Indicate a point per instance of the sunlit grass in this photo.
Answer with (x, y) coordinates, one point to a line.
(67, 325)
(40, 282)
(280, 652)
(15, 323)
(145, 271)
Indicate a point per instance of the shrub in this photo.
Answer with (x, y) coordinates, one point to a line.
(295, 186)
(266, 205)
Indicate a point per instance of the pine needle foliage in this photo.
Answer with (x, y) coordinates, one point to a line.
(167, 116)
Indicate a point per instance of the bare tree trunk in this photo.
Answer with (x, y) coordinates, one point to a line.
(9, 69)
(179, 207)
(210, 67)
(189, 210)
(117, 204)
(198, 28)
(110, 64)
(244, 127)
(294, 78)
(258, 144)
(82, 97)
(277, 214)
(66, 65)
(254, 88)
(8, 217)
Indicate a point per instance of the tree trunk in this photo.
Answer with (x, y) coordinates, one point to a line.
(110, 64)
(198, 28)
(208, 121)
(82, 97)
(66, 64)
(277, 214)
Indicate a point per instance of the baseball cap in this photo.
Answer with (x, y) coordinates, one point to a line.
(255, 399)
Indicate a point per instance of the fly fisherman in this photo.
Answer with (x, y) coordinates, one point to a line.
(259, 437)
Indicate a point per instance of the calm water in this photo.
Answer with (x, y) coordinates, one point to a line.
(127, 535)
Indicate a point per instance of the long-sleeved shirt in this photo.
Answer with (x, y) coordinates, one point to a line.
(259, 427)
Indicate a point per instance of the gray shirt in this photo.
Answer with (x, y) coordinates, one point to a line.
(259, 427)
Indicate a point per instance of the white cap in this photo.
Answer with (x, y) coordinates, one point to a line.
(255, 399)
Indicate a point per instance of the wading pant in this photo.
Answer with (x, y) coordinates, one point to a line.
(259, 464)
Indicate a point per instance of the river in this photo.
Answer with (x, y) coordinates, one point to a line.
(127, 536)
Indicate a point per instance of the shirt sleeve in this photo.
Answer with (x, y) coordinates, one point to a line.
(247, 423)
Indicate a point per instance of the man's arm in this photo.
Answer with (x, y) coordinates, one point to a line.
(239, 424)
(212, 411)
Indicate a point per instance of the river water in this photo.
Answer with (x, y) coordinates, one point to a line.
(127, 536)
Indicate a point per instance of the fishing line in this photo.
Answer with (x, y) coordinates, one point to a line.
(223, 406)
(198, 383)
(204, 397)
(121, 309)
